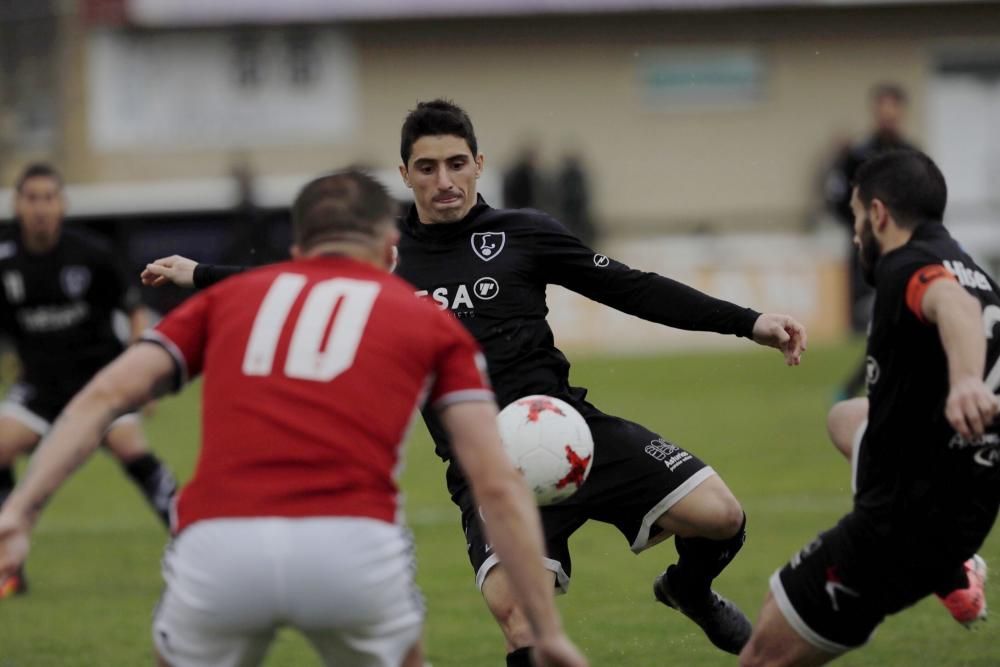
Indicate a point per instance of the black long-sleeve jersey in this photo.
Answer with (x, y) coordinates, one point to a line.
(491, 270)
(913, 468)
(57, 307)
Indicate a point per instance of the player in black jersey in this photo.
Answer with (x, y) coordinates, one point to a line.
(928, 465)
(58, 292)
(490, 267)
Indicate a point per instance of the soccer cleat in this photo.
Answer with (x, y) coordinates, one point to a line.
(968, 605)
(15, 584)
(724, 624)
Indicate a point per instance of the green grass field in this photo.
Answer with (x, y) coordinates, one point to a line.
(95, 564)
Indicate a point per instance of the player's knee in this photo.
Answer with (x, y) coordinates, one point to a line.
(10, 449)
(726, 518)
(843, 421)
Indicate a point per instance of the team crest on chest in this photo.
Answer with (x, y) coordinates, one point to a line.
(74, 280)
(487, 245)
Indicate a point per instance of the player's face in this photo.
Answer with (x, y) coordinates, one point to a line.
(889, 115)
(868, 246)
(442, 173)
(39, 206)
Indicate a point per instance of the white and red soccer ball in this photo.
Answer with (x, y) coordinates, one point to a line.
(550, 443)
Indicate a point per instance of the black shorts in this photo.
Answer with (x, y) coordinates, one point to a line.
(841, 586)
(36, 404)
(635, 478)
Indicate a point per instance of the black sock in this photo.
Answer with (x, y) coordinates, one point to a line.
(520, 657)
(702, 560)
(155, 481)
(6, 482)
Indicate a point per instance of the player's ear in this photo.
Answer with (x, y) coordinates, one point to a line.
(405, 175)
(480, 163)
(878, 214)
(295, 251)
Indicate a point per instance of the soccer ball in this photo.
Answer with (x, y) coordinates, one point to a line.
(549, 443)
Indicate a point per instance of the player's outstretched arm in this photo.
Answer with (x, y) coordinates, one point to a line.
(783, 333)
(166, 270)
(512, 524)
(971, 406)
(138, 375)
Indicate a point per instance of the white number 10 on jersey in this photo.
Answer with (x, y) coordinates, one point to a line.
(320, 350)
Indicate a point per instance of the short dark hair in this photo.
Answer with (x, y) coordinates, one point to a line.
(889, 89)
(435, 118)
(909, 184)
(38, 170)
(344, 205)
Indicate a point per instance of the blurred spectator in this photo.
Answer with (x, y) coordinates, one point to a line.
(251, 240)
(888, 104)
(521, 182)
(573, 198)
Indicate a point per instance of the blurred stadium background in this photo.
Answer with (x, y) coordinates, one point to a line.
(704, 129)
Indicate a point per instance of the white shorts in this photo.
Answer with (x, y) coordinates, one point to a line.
(345, 583)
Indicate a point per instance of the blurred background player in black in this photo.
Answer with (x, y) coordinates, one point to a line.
(888, 105)
(522, 182)
(573, 198)
(60, 291)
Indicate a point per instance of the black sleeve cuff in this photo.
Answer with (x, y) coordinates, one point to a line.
(206, 275)
(744, 327)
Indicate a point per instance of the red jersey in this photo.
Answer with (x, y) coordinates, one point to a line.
(313, 371)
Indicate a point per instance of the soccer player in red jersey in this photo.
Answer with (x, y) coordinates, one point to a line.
(312, 371)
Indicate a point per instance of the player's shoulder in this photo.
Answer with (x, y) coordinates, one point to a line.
(930, 244)
(527, 220)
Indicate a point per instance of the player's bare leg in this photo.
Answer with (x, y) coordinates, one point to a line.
(843, 422)
(16, 438)
(775, 643)
(500, 599)
(415, 656)
(709, 528)
(126, 440)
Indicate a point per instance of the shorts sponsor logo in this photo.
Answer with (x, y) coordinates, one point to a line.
(486, 288)
(601, 260)
(488, 245)
(872, 371)
(670, 454)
